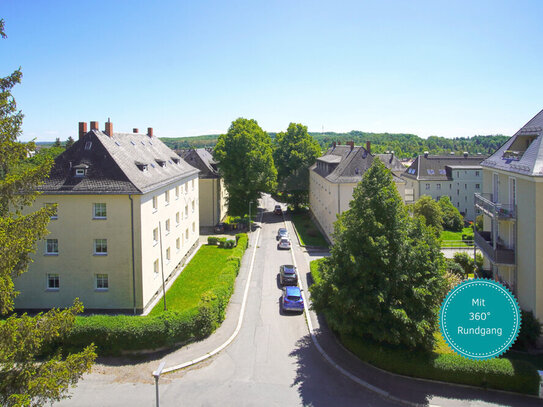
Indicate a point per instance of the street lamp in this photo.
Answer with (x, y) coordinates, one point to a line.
(250, 202)
(156, 375)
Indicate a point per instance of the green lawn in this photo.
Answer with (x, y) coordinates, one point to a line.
(448, 235)
(200, 275)
(307, 232)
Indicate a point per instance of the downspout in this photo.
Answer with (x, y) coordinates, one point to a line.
(213, 200)
(338, 198)
(133, 262)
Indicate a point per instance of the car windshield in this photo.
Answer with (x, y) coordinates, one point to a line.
(282, 231)
(293, 298)
(284, 240)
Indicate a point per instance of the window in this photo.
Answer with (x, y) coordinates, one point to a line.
(193, 206)
(177, 192)
(168, 254)
(99, 211)
(79, 172)
(477, 186)
(51, 246)
(186, 211)
(512, 191)
(430, 172)
(52, 206)
(457, 192)
(186, 234)
(465, 186)
(450, 186)
(438, 186)
(193, 227)
(100, 247)
(466, 198)
(427, 186)
(155, 267)
(177, 243)
(495, 188)
(186, 188)
(192, 184)
(88, 145)
(53, 281)
(476, 173)
(155, 236)
(442, 171)
(167, 226)
(177, 219)
(167, 197)
(155, 204)
(102, 282)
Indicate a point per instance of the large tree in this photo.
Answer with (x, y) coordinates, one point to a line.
(451, 217)
(25, 379)
(430, 210)
(384, 278)
(246, 165)
(295, 151)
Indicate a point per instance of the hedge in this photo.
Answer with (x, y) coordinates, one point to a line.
(114, 334)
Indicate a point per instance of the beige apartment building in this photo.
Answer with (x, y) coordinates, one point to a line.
(458, 177)
(212, 193)
(512, 204)
(334, 176)
(127, 215)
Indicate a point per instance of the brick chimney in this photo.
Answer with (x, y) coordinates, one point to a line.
(150, 131)
(94, 125)
(134, 130)
(334, 144)
(109, 128)
(352, 145)
(82, 129)
(368, 146)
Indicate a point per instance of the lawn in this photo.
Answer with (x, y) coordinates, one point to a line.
(307, 231)
(447, 235)
(202, 274)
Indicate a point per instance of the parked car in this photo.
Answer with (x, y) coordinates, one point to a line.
(292, 300)
(287, 275)
(284, 243)
(282, 233)
(220, 227)
(278, 210)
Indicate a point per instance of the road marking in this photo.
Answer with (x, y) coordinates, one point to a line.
(240, 319)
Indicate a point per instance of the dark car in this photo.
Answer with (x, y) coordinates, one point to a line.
(278, 210)
(287, 275)
(292, 300)
(220, 227)
(282, 233)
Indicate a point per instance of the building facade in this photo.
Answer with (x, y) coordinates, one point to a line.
(127, 215)
(458, 177)
(512, 205)
(212, 193)
(334, 176)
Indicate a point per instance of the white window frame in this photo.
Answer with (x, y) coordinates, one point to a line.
(168, 255)
(79, 172)
(97, 205)
(167, 197)
(193, 206)
(167, 226)
(156, 267)
(155, 204)
(99, 280)
(177, 192)
(95, 246)
(177, 219)
(155, 236)
(178, 244)
(48, 277)
(51, 253)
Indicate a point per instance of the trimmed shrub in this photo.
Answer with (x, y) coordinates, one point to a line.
(212, 240)
(530, 329)
(222, 241)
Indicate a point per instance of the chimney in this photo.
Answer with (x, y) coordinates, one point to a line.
(392, 153)
(82, 129)
(150, 131)
(94, 125)
(109, 128)
(466, 154)
(426, 154)
(134, 130)
(334, 144)
(352, 144)
(368, 147)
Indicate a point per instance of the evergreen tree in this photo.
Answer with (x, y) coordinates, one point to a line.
(384, 279)
(246, 164)
(57, 143)
(26, 380)
(70, 142)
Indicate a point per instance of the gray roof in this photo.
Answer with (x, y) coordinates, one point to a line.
(115, 165)
(438, 167)
(202, 159)
(343, 164)
(523, 152)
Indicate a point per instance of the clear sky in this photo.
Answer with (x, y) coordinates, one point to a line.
(445, 68)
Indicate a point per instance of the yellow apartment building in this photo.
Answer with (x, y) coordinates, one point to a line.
(127, 214)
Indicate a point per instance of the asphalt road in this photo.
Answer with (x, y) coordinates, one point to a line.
(272, 362)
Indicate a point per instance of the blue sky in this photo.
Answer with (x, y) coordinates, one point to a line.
(188, 68)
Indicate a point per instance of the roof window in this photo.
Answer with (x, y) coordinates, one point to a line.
(430, 172)
(143, 167)
(88, 145)
(160, 162)
(117, 143)
(131, 142)
(175, 160)
(442, 171)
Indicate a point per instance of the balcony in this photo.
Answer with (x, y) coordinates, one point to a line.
(500, 255)
(485, 203)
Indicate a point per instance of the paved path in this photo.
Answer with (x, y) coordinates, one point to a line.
(273, 360)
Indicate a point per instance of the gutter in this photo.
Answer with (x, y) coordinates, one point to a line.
(133, 262)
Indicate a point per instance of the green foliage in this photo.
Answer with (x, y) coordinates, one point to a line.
(307, 232)
(530, 329)
(245, 160)
(430, 211)
(454, 268)
(479, 223)
(57, 143)
(70, 142)
(452, 220)
(197, 303)
(26, 380)
(212, 240)
(465, 261)
(502, 373)
(295, 151)
(384, 278)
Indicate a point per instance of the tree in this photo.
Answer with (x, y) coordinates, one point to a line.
(384, 278)
(70, 142)
(430, 211)
(26, 380)
(57, 143)
(295, 151)
(246, 165)
(451, 217)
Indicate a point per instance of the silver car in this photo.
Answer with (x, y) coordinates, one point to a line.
(284, 243)
(282, 233)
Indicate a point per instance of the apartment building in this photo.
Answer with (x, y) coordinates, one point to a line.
(458, 177)
(334, 176)
(212, 193)
(512, 204)
(127, 214)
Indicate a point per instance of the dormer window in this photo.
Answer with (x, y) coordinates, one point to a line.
(143, 167)
(175, 160)
(162, 163)
(80, 170)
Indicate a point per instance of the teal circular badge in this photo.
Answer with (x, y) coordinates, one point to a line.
(480, 319)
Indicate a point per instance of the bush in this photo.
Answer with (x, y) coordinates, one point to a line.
(530, 329)
(212, 240)
(479, 223)
(222, 241)
(454, 268)
(230, 244)
(465, 261)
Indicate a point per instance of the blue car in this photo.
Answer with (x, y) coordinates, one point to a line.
(292, 299)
